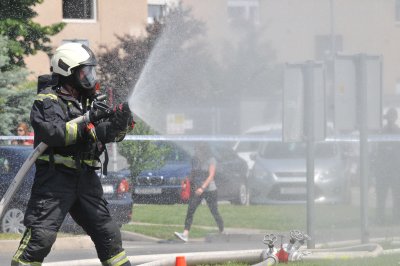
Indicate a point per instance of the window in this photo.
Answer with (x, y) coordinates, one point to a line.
(155, 13)
(397, 11)
(82, 41)
(79, 9)
(243, 11)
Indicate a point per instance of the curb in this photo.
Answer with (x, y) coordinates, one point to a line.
(130, 236)
(74, 242)
(62, 243)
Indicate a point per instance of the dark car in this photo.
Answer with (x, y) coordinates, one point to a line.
(115, 186)
(11, 159)
(164, 185)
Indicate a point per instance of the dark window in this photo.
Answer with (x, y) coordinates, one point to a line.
(82, 41)
(243, 11)
(155, 12)
(78, 9)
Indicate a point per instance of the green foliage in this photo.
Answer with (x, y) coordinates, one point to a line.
(26, 36)
(143, 155)
(15, 107)
(16, 95)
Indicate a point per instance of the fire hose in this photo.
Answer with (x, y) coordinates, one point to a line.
(101, 111)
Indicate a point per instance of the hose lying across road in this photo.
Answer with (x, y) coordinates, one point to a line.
(250, 257)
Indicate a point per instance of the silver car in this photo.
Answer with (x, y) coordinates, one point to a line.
(279, 174)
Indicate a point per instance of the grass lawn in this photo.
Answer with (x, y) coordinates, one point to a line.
(7, 236)
(264, 217)
(170, 218)
(162, 220)
(4, 236)
(378, 261)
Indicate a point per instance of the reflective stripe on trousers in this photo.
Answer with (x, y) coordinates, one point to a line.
(118, 260)
(16, 261)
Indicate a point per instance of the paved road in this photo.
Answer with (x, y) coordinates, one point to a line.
(149, 247)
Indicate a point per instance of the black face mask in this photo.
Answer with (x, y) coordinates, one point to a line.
(86, 77)
(84, 80)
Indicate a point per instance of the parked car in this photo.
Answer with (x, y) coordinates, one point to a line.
(279, 174)
(117, 191)
(115, 186)
(245, 149)
(164, 185)
(11, 159)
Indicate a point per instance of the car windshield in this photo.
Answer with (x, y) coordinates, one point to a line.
(176, 154)
(247, 146)
(13, 160)
(277, 150)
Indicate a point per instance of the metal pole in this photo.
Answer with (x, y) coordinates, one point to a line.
(309, 129)
(364, 173)
(114, 153)
(332, 28)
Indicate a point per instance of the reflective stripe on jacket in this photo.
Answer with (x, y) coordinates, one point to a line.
(69, 161)
(50, 115)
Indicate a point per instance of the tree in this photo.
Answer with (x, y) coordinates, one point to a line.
(143, 155)
(26, 37)
(16, 95)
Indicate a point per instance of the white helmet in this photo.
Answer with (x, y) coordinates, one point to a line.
(70, 56)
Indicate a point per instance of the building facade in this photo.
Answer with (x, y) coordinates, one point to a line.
(312, 29)
(93, 22)
(297, 30)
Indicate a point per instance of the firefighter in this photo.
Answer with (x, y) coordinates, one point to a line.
(65, 179)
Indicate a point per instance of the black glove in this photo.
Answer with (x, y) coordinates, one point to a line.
(106, 132)
(123, 117)
(99, 111)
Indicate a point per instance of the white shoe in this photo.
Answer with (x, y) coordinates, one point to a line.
(181, 236)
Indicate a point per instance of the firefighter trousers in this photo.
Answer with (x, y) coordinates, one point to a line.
(59, 190)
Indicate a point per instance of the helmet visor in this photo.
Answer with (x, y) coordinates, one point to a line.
(87, 77)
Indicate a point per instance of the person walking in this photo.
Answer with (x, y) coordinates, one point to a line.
(202, 186)
(387, 169)
(65, 179)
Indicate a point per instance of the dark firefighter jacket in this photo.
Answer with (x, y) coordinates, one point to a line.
(51, 111)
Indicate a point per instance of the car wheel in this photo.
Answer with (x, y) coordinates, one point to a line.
(13, 221)
(241, 198)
